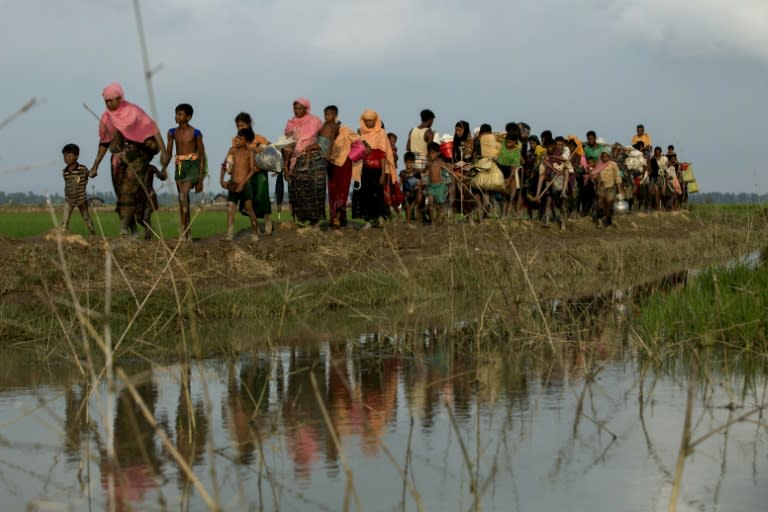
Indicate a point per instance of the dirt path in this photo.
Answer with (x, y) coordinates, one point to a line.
(298, 254)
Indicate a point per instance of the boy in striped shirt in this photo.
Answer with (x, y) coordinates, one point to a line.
(75, 180)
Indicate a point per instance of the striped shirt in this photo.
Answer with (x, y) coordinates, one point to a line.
(75, 181)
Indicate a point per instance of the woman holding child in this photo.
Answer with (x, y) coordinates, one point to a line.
(134, 139)
(306, 166)
(377, 164)
(340, 175)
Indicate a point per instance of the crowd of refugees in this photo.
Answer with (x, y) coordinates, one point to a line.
(465, 175)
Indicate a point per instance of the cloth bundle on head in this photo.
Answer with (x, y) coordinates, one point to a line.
(376, 138)
(303, 129)
(128, 119)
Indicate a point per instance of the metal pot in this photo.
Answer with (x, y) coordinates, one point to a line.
(620, 207)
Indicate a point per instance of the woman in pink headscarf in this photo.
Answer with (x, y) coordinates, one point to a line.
(134, 139)
(306, 165)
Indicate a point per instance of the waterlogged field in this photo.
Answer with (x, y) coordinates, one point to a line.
(380, 423)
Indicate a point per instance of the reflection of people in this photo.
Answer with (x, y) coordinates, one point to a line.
(301, 414)
(237, 416)
(133, 138)
(245, 397)
(137, 463)
(378, 392)
(76, 423)
(191, 426)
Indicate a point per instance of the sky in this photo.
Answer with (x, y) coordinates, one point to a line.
(694, 73)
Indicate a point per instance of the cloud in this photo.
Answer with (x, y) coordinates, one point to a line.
(702, 28)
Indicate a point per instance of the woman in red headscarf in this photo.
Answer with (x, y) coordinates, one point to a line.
(134, 139)
(368, 201)
(306, 166)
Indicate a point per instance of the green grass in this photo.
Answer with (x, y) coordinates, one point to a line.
(19, 224)
(730, 212)
(727, 306)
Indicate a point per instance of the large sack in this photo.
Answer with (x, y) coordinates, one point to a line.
(271, 159)
(489, 177)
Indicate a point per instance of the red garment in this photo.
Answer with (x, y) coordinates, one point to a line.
(374, 158)
(338, 187)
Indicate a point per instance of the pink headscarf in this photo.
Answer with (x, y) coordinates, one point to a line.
(303, 129)
(128, 119)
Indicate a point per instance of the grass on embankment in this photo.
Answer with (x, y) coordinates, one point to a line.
(723, 306)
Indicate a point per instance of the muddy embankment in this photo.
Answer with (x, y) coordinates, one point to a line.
(307, 276)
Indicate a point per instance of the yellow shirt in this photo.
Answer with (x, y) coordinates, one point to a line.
(645, 138)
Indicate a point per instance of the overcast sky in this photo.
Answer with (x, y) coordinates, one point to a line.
(694, 73)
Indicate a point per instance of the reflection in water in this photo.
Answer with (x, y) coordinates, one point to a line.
(138, 461)
(541, 430)
(76, 419)
(191, 425)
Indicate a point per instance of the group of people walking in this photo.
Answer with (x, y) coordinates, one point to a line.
(461, 175)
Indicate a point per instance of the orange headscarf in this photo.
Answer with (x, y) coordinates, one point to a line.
(376, 138)
(579, 145)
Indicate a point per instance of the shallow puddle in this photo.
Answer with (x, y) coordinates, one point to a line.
(426, 428)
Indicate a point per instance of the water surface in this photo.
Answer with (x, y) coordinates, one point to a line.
(593, 430)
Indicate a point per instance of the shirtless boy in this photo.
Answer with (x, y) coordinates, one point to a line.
(190, 163)
(330, 128)
(239, 186)
(437, 190)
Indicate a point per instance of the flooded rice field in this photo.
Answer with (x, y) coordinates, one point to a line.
(377, 424)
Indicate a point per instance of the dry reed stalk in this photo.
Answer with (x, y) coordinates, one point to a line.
(530, 287)
(109, 408)
(149, 417)
(685, 442)
(335, 438)
(472, 480)
(171, 257)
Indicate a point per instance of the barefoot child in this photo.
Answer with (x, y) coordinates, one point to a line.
(190, 163)
(411, 180)
(439, 179)
(75, 181)
(146, 200)
(262, 205)
(239, 186)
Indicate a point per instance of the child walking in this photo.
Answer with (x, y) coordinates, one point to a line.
(410, 179)
(75, 180)
(239, 185)
(440, 182)
(190, 163)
